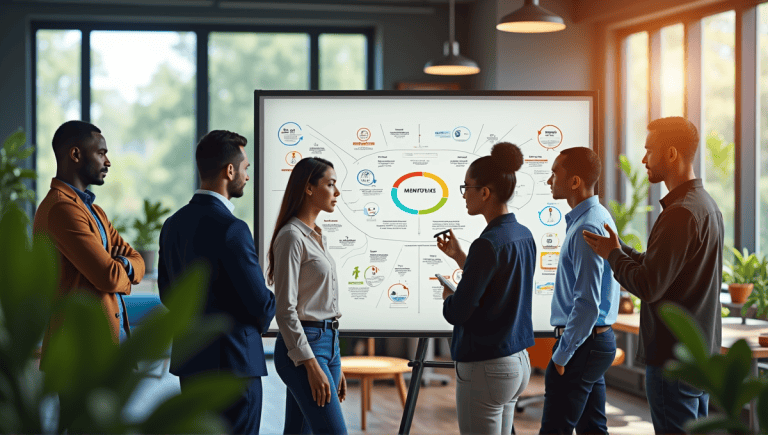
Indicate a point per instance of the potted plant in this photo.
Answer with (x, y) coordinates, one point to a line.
(741, 274)
(623, 215)
(147, 231)
(759, 296)
(12, 172)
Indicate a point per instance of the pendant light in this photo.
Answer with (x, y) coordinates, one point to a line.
(531, 18)
(452, 63)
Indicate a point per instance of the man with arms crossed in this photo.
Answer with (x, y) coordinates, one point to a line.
(584, 305)
(683, 265)
(205, 231)
(94, 259)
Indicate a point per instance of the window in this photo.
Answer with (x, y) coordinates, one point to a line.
(143, 95)
(762, 50)
(719, 84)
(636, 117)
(143, 100)
(672, 74)
(57, 95)
(342, 61)
(238, 64)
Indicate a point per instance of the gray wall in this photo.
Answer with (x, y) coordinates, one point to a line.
(547, 61)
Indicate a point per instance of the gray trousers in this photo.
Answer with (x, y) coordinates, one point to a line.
(487, 391)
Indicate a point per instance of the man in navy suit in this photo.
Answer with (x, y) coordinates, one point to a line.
(205, 231)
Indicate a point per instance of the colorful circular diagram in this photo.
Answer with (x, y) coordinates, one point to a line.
(398, 293)
(290, 134)
(373, 276)
(363, 134)
(366, 177)
(550, 216)
(456, 275)
(409, 210)
(292, 158)
(461, 134)
(371, 209)
(550, 136)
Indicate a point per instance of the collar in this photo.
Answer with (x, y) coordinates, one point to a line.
(507, 218)
(227, 203)
(87, 197)
(581, 208)
(680, 191)
(304, 228)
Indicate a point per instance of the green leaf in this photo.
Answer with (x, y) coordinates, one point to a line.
(14, 142)
(762, 407)
(715, 423)
(204, 393)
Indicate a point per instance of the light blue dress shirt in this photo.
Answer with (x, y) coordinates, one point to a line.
(585, 295)
(88, 198)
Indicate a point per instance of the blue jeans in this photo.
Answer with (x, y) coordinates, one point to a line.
(673, 402)
(302, 414)
(577, 398)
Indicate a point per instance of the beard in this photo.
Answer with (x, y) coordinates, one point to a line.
(91, 174)
(657, 175)
(237, 188)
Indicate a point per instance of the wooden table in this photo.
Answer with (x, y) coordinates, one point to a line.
(733, 331)
(368, 368)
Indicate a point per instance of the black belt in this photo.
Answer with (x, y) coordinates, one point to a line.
(325, 324)
(596, 330)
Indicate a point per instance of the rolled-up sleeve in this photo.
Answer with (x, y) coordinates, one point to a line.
(288, 250)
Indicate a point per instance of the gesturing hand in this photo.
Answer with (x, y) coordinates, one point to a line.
(450, 246)
(602, 245)
(318, 381)
(447, 292)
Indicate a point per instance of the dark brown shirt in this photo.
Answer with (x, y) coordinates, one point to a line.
(683, 265)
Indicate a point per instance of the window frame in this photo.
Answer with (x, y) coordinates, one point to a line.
(202, 32)
(746, 122)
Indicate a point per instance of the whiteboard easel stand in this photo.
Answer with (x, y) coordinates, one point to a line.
(418, 365)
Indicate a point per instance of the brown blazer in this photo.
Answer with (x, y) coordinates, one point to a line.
(85, 265)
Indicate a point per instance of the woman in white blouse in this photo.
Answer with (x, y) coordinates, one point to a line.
(307, 295)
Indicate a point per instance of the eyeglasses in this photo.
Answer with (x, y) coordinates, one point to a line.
(464, 187)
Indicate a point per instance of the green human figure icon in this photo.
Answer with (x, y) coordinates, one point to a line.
(356, 272)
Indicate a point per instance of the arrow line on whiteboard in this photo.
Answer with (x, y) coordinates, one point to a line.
(384, 135)
(478, 137)
(411, 150)
(331, 142)
(502, 138)
(353, 252)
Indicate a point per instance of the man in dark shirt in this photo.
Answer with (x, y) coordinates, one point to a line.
(683, 265)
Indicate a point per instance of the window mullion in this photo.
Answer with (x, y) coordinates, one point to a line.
(654, 110)
(745, 130)
(694, 108)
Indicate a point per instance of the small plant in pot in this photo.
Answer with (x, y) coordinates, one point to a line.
(741, 274)
(759, 295)
(147, 231)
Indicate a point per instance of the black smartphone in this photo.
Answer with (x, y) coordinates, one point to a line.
(448, 231)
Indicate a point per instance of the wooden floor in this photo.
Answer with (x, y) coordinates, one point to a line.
(436, 409)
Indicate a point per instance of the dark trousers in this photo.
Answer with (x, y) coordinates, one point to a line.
(243, 416)
(577, 398)
(673, 402)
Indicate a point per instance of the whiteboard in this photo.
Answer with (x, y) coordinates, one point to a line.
(400, 158)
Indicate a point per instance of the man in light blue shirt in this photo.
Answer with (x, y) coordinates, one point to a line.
(584, 305)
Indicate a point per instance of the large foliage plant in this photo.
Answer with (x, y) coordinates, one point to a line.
(148, 228)
(725, 377)
(82, 363)
(12, 173)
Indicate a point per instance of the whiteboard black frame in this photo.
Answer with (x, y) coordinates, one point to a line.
(257, 112)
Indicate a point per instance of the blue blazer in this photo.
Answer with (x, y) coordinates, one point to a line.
(205, 231)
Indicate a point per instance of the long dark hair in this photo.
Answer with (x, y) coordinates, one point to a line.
(308, 171)
(497, 171)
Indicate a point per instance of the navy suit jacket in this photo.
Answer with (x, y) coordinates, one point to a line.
(206, 231)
